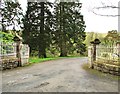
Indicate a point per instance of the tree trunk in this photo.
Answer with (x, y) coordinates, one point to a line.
(31, 51)
(63, 51)
(63, 54)
(42, 47)
(3, 27)
(42, 53)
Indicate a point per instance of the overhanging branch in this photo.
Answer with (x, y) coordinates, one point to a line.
(105, 7)
(104, 15)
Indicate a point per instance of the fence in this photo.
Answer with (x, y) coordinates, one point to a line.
(107, 53)
(7, 50)
(8, 55)
(105, 58)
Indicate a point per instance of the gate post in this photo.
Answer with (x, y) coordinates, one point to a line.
(0, 67)
(118, 51)
(90, 56)
(0, 55)
(0, 52)
(94, 44)
(24, 54)
(18, 48)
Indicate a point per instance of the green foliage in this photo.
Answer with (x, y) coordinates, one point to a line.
(60, 31)
(52, 32)
(6, 37)
(39, 60)
(11, 14)
(90, 36)
(37, 26)
(111, 38)
(69, 28)
(53, 51)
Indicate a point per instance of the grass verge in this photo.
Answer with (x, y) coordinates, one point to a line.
(99, 73)
(33, 60)
(39, 60)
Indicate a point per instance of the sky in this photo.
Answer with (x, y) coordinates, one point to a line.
(98, 23)
(93, 22)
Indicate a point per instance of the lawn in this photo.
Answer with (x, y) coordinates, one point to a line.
(39, 60)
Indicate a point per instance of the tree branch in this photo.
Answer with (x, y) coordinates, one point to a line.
(104, 15)
(104, 7)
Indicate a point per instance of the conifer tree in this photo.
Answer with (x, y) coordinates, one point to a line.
(37, 26)
(69, 27)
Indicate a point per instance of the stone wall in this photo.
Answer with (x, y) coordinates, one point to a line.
(8, 63)
(107, 59)
(107, 68)
(9, 59)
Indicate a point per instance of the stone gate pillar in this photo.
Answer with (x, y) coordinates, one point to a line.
(94, 44)
(118, 51)
(0, 52)
(24, 54)
(18, 42)
(90, 56)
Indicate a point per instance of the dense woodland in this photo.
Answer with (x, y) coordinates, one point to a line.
(49, 29)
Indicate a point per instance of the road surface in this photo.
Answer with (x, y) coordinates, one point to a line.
(63, 75)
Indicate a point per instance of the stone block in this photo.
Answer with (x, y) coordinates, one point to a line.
(105, 70)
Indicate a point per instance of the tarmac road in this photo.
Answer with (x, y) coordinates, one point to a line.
(63, 75)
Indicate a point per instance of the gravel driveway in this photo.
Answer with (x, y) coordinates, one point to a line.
(63, 75)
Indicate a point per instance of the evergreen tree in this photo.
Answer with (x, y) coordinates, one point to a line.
(11, 15)
(69, 27)
(37, 26)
